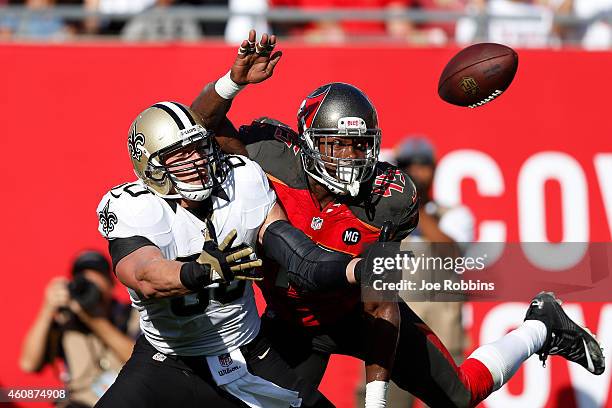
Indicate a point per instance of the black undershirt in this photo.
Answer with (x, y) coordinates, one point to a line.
(119, 248)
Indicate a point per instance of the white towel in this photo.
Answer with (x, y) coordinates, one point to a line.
(230, 373)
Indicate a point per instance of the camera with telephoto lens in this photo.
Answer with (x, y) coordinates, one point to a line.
(85, 292)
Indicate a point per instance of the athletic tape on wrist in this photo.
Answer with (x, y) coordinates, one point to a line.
(226, 88)
(376, 394)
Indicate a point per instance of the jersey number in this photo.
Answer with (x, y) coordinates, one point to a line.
(198, 302)
(133, 189)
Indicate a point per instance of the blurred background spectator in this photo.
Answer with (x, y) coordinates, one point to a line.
(518, 23)
(155, 25)
(434, 33)
(597, 35)
(147, 25)
(239, 24)
(41, 24)
(81, 323)
(101, 25)
(332, 30)
(395, 28)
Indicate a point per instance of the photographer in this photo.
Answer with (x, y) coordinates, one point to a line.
(80, 322)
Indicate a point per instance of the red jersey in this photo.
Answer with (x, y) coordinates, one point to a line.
(347, 224)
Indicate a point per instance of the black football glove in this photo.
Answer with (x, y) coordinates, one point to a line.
(220, 263)
(227, 263)
(365, 275)
(387, 231)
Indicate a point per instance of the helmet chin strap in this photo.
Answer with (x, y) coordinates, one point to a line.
(345, 175)
(337, 188)
(196, 196)
(199, 195)
(334, 186)
(353, 188)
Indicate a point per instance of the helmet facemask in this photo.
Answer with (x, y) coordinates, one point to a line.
(342, 175)
(195, 176)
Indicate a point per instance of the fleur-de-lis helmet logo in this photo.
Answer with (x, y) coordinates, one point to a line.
(108, 219)
(135, 141)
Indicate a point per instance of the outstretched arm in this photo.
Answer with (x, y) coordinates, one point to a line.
(254, 63)
(313, 269)
(310, 268)
(149, 273)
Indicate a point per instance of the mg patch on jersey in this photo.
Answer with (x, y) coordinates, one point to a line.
(107, 219)
(316, 223)
(351, 236)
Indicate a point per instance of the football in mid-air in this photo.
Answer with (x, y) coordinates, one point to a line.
(478, 74)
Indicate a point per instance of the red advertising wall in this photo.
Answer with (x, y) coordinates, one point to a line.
(65, 112)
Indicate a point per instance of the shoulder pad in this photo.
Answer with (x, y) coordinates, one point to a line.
(267, 129)
(277, 151)
(250, 188)
(131, 210)
(390, 195)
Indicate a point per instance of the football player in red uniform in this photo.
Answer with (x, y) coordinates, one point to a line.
(328, 178)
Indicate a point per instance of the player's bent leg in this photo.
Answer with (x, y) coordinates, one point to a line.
(151, 379)
(296, 347)
(264, 361)
(313, 367)
(547, 330)
(425, 368)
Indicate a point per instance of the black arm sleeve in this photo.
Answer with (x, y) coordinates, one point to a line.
(310, 268)
(119, 248)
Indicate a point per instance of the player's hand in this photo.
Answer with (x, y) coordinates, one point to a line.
(255, 61)
(364, 274)
(56, 294)
(227, 263)
(387, 231)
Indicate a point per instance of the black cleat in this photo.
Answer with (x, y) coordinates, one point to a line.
(564, 337)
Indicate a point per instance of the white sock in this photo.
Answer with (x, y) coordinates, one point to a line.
(504, 356)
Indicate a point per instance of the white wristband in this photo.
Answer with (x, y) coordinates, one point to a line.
(376, 394)
(226, 88)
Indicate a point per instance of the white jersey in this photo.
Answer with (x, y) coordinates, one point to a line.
(218, 319)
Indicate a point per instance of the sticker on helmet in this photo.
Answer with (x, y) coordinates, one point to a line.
(310, 106)
(135, 142)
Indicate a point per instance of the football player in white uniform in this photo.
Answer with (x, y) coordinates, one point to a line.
(194, 294)
(201, 342)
